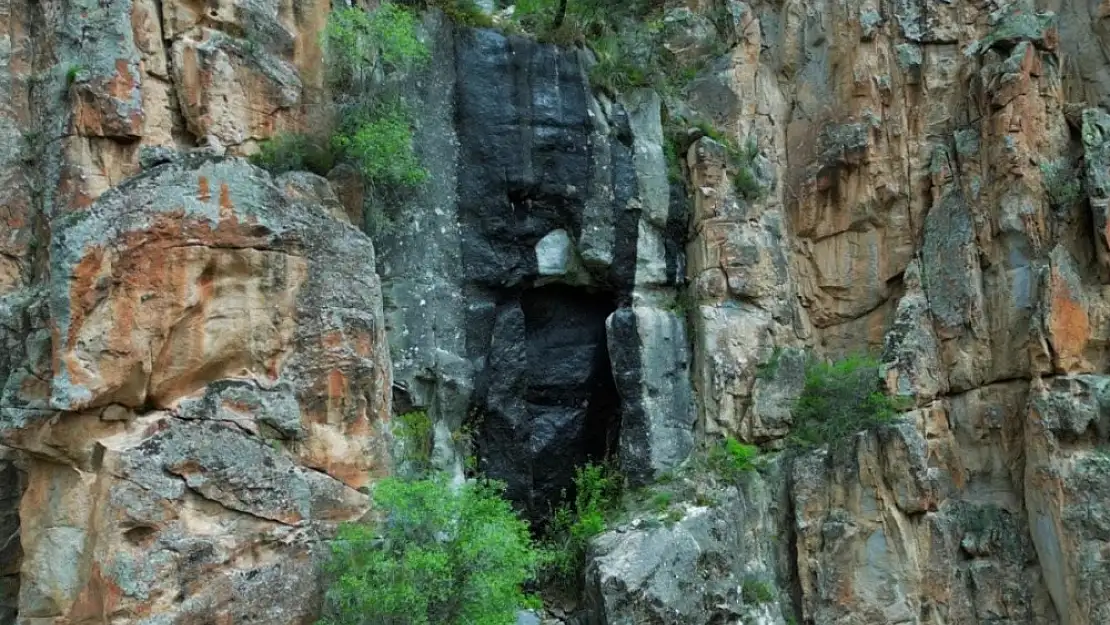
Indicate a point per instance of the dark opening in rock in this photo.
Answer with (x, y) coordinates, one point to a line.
(571, 397)
(552, 404)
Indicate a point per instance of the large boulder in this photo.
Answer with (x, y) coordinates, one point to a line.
(201, 394)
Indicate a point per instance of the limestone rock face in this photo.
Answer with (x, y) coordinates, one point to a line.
(207, 388)
(716, 564)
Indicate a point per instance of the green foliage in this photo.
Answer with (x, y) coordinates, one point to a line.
(755, 591)
(598, 490)
(840, 399)
(438, 556)
(674, 515)
(372, 128)
(616, 69)
(378, 141)
(661, 501)
(741, 161)
(294, 152)
(1062, 183)
(625, 37)
(415, 430)
(464, 13)
(731, 459)
(356, 41)
(73, 72)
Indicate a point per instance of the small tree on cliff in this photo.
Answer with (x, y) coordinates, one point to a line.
(438, 556)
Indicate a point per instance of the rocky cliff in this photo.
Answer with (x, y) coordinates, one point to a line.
(201, 360)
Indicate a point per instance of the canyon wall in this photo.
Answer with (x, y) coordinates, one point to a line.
(199, 360)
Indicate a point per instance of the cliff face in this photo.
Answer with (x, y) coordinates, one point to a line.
(199, 360)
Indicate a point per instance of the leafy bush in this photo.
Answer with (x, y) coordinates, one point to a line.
(294, 152)
(437, 557)
(415, 430)
(378, 141)
(597, 493)
(368, 127)
(355, 41)
(840, 399)
(661, 501)
(464, 13)
(731, 459)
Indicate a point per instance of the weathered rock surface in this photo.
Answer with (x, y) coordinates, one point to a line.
(205, 396)
(194, 379)
(717, 563)
(551, 223)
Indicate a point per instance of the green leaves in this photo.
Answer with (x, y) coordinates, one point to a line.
(438, 556)
(355, 41)
(379, 143)
(597, 493)
(731, 459)
(840, 399)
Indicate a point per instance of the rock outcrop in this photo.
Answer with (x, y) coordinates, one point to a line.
(538, 294)
(202, 394)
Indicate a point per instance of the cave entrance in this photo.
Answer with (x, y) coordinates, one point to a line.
(571, 396)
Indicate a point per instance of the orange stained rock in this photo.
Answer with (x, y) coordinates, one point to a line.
(1068, 325)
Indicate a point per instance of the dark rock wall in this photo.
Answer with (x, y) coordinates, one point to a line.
(527, 154)
(11, 487)
(503, 285)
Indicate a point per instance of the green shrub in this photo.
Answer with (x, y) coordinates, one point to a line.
(741, 161)
(415, 430)
(73, 73)
(369, 128)
(840, 399)
(597, 493)
(661, 501)
(294, 152)
(730, 459)
(615, 70)
(378, 141)
(464, 13)
(756, 591)
(355, 41)
(437, 557)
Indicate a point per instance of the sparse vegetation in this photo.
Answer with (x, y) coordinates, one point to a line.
(840, 399)
(767, 370)
(597, 494)
(1062, 183)
(357, 43)
(741, 161)
(731, 459)
(295, 152)
(415, 431)
(369, 126)
(661, 501)
(437, 556)
(756, 591)
(73, 73)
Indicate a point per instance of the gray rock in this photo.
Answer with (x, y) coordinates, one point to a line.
(553, 254)
(714, 565)
(650, 358)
